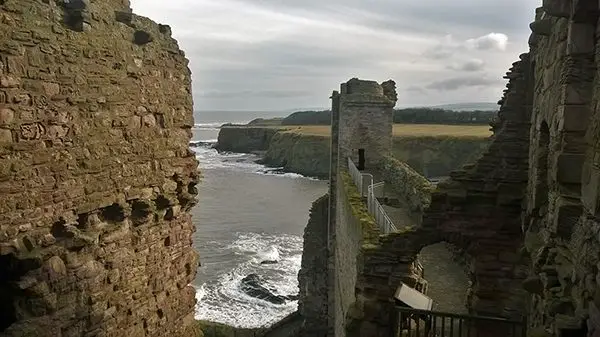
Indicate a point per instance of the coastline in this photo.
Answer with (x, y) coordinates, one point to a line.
(431, 150)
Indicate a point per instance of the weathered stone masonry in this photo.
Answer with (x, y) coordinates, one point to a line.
(96, 177)
(561, 218)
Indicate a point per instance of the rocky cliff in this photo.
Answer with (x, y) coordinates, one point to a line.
(304, 154)
(437, 156)
(245, 139)
(308, 153)
(96, 178)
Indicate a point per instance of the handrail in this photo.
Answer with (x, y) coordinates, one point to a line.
(416, 323)
(358, 177)
(376, 209)
(452, 315)
(386, 224)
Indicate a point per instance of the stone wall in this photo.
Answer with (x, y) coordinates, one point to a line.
(478, 208)
(413, 189)
(312, 277)
(561, 219)
(96, 177)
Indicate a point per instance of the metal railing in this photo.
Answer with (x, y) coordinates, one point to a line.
(386, 225)
(358, 177)
(422, 323)
(374, 190)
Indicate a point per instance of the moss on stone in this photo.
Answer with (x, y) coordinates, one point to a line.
(407, 183)
(359, 210)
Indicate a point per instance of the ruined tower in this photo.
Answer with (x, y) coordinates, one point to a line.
(96, 177)
(366, 118)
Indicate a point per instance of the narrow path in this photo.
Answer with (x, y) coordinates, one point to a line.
(447, 280)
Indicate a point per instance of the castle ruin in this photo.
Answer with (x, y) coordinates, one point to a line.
(523, 216)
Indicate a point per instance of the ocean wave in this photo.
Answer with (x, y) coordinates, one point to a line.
(223, 300)
(208, 126)
(214, 125)
(210, 158)
(203, 143)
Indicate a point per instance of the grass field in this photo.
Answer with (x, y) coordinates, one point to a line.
(410, 130)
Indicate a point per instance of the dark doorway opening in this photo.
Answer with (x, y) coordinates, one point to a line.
(11, 271)
(361, 159)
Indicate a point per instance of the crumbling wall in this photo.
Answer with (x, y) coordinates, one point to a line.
(413, 189)
(478, 208)
(561, 219)
(96, 178)
(312, 277)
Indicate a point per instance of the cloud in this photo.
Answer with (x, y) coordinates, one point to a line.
(273, 54)
(468, 65)
(455, 83)
(495, 41)
(275, 94)
(449, 47)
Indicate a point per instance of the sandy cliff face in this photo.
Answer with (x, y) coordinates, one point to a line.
(96, 178)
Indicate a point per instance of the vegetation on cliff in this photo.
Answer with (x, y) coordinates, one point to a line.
(404, 116)
(413, 187)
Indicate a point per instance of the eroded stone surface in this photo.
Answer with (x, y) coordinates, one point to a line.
(95, 233)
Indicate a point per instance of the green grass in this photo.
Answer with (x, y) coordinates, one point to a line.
(408, 130)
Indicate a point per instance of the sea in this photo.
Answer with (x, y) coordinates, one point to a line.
(246, 214)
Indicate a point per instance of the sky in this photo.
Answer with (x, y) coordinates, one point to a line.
(291, 54)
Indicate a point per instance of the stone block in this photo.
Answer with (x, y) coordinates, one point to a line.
(581, 39)
(567, 214)
(6, 136)
(569, 168)
(7, 116)
(7, 81)
(590, 188)
(541, 27)
(573, 118)
(577, 94)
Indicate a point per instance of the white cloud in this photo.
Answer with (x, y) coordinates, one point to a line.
(496, 41)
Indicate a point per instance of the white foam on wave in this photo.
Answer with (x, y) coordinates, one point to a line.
(208, 126)
(223, 301)
(210, 158)
(214, 125)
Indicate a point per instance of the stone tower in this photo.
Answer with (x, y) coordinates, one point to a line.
(365, 123)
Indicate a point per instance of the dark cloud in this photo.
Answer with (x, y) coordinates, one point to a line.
(469, 65)
(456, 83)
